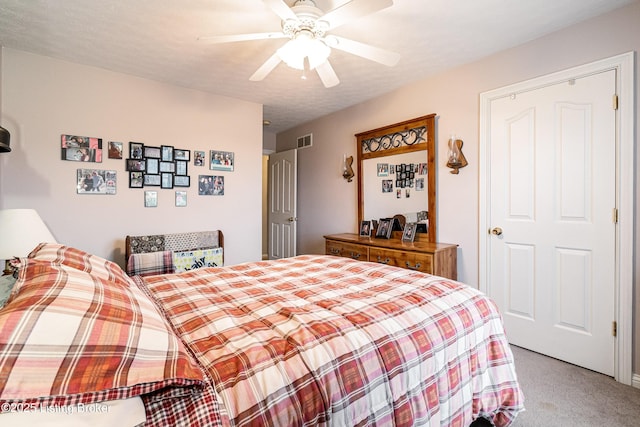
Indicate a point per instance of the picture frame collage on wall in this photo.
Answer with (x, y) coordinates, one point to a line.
(407, 176)
(161, 166)
(148, 166)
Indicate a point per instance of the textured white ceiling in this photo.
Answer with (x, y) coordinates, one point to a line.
(157, 39)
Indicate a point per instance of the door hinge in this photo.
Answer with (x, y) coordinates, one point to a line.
(614, 328)
(615, 215)
(615, 102)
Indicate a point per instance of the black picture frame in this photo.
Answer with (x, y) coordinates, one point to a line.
(167, 167)
(166, 180)
(136, 179)
(181, 167)
(179, 154)
(152, 166)
(136, 165)
(152, 180)
(365, 228)
(152, 152)
(182, 181)
(136, 150)
(167, 153)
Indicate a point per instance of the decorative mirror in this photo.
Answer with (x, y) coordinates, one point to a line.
(397, 176)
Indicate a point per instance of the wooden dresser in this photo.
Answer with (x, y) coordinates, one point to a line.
(433, 258)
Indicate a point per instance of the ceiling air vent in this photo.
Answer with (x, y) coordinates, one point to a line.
(305, 141)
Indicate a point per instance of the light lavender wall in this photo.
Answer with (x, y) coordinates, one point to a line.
(44, 98)
(454, 96)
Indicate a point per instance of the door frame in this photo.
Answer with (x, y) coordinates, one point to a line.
(624, 65)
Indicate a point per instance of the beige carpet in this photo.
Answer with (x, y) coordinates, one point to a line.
(560, 394)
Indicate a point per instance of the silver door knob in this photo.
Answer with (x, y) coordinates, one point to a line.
(496, 231)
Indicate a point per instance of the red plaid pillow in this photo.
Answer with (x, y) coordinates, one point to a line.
(80, 260)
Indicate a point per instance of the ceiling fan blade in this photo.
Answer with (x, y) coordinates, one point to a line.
(353, 10)
(367, 51)
(281, 9)
(241, 37)
(266, 68)
(327, 75)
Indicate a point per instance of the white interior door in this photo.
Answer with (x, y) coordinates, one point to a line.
(552, 183)
(282, 204)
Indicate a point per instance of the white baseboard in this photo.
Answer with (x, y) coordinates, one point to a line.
(635, 380)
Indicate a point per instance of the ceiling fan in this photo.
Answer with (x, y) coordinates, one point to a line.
(309, 45)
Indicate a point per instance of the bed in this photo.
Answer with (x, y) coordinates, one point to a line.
(303, 341)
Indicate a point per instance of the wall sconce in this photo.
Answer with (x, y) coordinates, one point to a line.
(5, 138)
(456, 159)
(347, 170)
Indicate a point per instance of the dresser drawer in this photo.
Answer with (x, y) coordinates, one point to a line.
(411, 260)
(347, 250)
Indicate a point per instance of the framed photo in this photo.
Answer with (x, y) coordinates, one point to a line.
(209, 185)
(182, 181)
(182, 155)
(198, 158)
(365, 228)
(135, 150)
(383, 169)
(150, 199)
(115, 150)
(167, 167)
(96, 181)
(81, 148)
(166, 180)
(181, 167)
(420, 184)
(151, 152)
(136, 165)
(409, 232)
(166, 153)
(152, 180)
(222, 161)
(384, 228)
(387, 185)
(152, 165)
(136, 180)
(181, 199)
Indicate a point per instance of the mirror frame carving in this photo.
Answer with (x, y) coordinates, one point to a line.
(400, 138)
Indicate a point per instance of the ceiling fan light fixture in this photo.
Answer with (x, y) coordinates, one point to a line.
(302, 46)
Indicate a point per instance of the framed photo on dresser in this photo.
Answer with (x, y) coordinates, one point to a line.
(365, 228)
(385, 226)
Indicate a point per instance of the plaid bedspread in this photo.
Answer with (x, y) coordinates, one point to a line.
(319, 340)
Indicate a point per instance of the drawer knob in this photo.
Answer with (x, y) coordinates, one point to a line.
(415, 267)
(383, 261)
(334, 251)
(355, 255)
